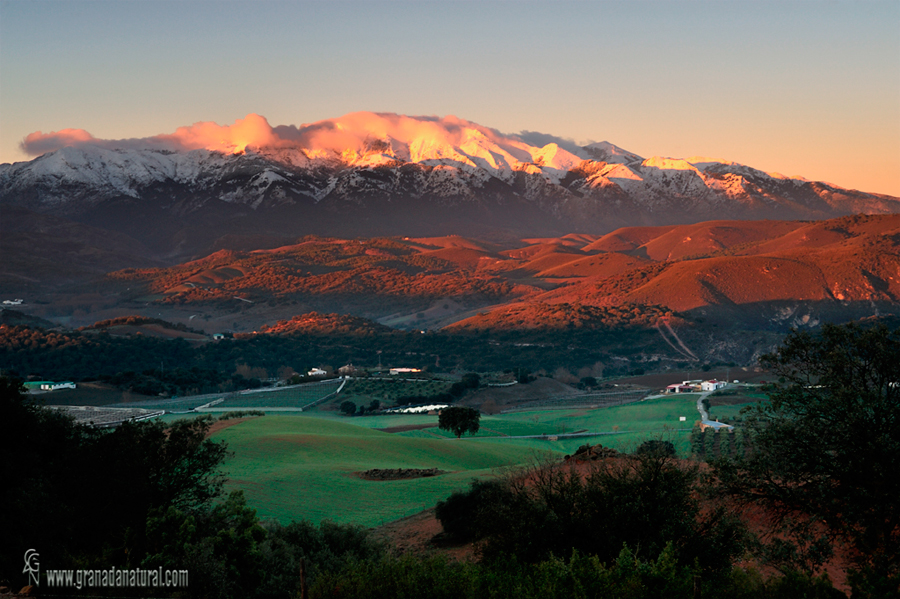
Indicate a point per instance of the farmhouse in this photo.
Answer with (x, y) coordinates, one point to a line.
(405, 370)
(316, 372)
(349, 369)
(36, 385)
(712, 385)
(715, 426)
(679, 388)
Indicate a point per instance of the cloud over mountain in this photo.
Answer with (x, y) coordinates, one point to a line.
(252, 130)
(356, 132)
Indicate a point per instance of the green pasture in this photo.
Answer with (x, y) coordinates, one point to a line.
(293, 467)
(305, 465)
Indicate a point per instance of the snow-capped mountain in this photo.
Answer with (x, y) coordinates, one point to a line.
(375, 174)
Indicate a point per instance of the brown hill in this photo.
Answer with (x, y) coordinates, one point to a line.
(461, 256)
(536, 258)
(451, 241)
(598, 265)
(561, 316)
(626, 239)
(573, 240)
(852, 259)
(314, 323)
(708, 238)
(439, 281)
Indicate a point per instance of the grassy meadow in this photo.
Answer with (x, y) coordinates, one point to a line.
(294, 466)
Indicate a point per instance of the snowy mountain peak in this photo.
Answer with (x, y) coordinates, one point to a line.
(671, 164)
(607, 152)
(411, 168)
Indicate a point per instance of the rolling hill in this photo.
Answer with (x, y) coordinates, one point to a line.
(764, 268)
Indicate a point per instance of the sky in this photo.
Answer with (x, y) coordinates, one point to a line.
(803, 88)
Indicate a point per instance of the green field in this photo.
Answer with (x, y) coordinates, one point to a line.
(304, 465)
(293, 467)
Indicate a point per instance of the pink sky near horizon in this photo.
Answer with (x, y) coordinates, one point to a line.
(806, 89)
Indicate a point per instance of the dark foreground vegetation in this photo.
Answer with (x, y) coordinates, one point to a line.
(819, 468)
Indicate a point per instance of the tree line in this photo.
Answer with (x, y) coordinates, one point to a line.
(153, 365)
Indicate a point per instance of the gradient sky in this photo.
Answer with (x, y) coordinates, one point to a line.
(802, 88)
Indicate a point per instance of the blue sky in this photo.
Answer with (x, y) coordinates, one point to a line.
(803, 88)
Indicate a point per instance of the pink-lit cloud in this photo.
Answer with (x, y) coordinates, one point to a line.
(38, 143)
(254, 130)
(349, 132)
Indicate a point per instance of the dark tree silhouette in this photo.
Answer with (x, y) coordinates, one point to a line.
(459, 420)
(825, 451)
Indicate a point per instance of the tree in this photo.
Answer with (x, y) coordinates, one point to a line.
(348, 407)
(656, 446)
(80, 493)
(824, 452)
(471, 380)
(523, 375)
(459, 420)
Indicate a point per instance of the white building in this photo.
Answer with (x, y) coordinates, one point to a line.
(712, 385)
(405, 370)
(316, 372)
(54, 386)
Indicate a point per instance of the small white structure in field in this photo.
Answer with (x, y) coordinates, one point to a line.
(48, 386)
(316, 372)
(405, 370)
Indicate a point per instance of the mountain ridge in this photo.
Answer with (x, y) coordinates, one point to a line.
(368, 174)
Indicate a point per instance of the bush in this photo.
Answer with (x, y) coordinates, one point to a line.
(656, 447)
(645, 501)
(460, 514)
(241, 414)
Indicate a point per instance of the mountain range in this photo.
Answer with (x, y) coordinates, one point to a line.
(426, 223)
(368, 174)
